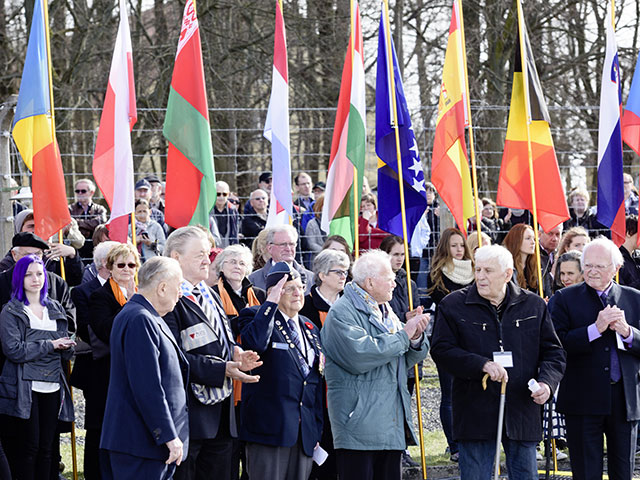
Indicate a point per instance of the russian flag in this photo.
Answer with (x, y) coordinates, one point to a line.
(113, 158)
(631, 117)
(276, 129)
(611, 211)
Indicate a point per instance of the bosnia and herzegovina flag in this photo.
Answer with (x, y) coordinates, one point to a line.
(34, 132)
(450, 164)
(611, 208)
(415, 198)
(191, 178)
(631, 117)
(348, 144)
(514, 185)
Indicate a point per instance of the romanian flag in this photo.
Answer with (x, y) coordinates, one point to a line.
(631, 117)
(450, 164)
(349, 142)
(415, 199)
(611, 208)
(113, 159)
(514, 185)
(276, 129)
(191, 177)
(34, 132)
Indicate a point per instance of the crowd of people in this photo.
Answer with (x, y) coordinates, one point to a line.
(237, 351)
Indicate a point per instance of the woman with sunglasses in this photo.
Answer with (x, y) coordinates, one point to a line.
(107, 301)
(330, 268)
(33, 389)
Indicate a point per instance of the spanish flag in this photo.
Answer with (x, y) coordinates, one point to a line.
(450, 164)
(514, 185)
(34, 132)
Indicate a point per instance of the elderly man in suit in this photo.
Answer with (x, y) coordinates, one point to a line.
(281, 416)
(202, 329)
(598, 324)
(146, 425)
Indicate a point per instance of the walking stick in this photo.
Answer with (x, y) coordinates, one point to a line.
(503, 395)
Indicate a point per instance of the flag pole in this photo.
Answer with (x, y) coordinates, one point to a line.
(45, 10)
(525, 85)
(354, 186)
(613, 24)
(404, 218)
(472, 149)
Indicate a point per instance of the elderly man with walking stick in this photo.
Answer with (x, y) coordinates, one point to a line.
(495, 328)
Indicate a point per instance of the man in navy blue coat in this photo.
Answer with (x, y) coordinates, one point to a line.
(146, 427)
(281, 416)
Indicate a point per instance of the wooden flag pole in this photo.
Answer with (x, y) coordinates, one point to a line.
(404, 218)
(472, 149)
(45, 10)
(534, 208)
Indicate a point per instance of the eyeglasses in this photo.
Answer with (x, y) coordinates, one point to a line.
(293, 288)
(285, 244)
(235, 201)
(264, 199)
(600, 268)
(81, 190)
(222, 194)
(130, 265)
(233, 261)
(340, 273)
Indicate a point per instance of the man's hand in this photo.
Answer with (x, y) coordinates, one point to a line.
(416, 325)
(61, 250)
(496, 372)
(248, 359)
(542, 395)
(63, 343)
(620, 325)
(413, 313)
(276, 290)
(175, 451)
(232, 370)
(605, 317)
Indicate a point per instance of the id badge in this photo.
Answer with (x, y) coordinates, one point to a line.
(505, 359)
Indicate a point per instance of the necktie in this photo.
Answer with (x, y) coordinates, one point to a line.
(295, 338)
(614, 371)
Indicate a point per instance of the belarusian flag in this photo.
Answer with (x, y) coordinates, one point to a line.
(191, 178)
(349, 142)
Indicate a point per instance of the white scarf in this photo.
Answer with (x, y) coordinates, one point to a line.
(461, 272)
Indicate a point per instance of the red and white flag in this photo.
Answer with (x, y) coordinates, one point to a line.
(113, 158)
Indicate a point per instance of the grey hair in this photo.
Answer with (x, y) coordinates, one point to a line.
(614, 252)
(101, 251)
(369, 265)
(88, 181)
(179, 238)
(221, 183)
(497, 253)
(328, 259)
(231, 251)
(156, 269)
(279, 229)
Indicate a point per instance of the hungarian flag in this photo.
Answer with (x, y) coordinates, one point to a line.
(276, 129)
(514, 185)
(113, 158)
(390, 207)
(611, 208)
(450, 164)
(191, 177)
(348, 144)
(631, 117)
(34, 132)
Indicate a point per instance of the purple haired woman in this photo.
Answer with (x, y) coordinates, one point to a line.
(33, 388)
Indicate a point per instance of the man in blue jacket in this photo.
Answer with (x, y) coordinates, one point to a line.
(146, 427)
(368, 354)
(281, 416)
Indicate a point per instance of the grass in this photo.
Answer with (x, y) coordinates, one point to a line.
(65, 451)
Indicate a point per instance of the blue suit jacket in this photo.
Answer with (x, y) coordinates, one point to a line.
(283, 403)
(147, 400)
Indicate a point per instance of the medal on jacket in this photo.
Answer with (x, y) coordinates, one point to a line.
(321, 361)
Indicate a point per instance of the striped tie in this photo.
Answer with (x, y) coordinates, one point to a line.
(214, 320)
(295, 338)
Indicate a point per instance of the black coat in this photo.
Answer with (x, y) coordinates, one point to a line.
(204, 420)
(104, 308)
(586, 387)
(465, 336)
(630, 271)
(313, 305)
(252, 225)
(399, 303)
